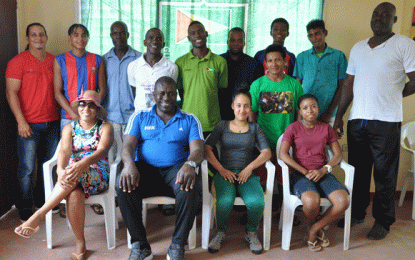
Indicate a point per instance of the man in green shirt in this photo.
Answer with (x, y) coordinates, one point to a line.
(201, 74)
(274, 96)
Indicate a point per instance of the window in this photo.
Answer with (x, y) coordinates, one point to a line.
(218, 16)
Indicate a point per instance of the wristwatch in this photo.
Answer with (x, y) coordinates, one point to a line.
(329, 168)
(191, 163)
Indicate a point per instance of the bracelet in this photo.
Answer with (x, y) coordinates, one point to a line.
(329, 168)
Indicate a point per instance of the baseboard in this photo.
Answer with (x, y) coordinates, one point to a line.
(408, 196)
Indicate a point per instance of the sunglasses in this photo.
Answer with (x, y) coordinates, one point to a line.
(91, 105)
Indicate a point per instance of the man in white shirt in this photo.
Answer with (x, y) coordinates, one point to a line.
(146, 70)
(377, 71)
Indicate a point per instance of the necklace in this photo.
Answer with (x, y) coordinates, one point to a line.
(240, 128)
(306, 128)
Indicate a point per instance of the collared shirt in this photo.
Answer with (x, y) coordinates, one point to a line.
(200, 80)
(119, 101)
(143, 77)
(241, 73)
(320, 76)
(163, 145)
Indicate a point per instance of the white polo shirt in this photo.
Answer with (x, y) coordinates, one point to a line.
(143, 77)
(380, 76)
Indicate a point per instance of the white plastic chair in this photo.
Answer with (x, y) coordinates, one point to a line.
(408, 133)
(160, 200)
(106, 199)
(208, 203)
(291, 202)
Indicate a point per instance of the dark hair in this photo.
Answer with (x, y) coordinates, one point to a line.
(165, 80)
(275, 48)
(119, 23)
(28, 31)
(242, 92)
(193, 23)
(34, 24)
(237, 29)
(280, 20)
(315, 24)
(78, 25)
(306, 96)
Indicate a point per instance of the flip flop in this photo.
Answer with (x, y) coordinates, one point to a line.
(324, 241)
(313, 246)
(98, 209)
(78, 256)
(31, 231)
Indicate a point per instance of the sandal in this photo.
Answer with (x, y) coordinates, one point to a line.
(78, 256)
(314, 246)
(98, 209)
(324, 241)
(22, 233)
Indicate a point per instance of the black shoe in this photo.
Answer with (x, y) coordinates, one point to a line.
(377, 232)
(353, 221)
(168, 210)
(138, 253)
(175, 252)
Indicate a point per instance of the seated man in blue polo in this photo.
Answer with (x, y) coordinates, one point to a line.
(161, 150)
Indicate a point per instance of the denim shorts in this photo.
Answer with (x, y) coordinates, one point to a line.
(325, 186)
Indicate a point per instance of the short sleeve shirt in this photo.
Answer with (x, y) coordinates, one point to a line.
(236, 148)
(143, 77)
(163, 145)
(276, 104)
(200, 80)
(309, 144)
(320, 75)
(119, 100)
(379, 78)
(36, 94)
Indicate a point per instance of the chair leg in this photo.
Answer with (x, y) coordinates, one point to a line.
(48, 223)
(287, 227)
(281, 217)
(144, 214)
(413, 201)
(347, 218)
(129, 239)
(267, 225)
(405, 187)
(206, 223)
(192, 236)
(109, 208)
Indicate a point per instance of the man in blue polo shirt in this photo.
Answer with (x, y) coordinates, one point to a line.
(321, 70)
(167, 145)
(119, 101)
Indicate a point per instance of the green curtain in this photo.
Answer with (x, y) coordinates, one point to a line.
(254, 16)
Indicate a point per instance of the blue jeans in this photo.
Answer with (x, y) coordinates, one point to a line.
(42, 144)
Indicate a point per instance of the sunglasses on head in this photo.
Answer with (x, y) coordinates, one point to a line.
(91, 105)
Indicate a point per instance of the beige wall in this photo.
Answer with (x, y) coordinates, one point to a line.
(347, 22)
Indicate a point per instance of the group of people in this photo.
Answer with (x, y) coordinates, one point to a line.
(125, 103)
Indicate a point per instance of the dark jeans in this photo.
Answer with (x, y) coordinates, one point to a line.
(159, 182)
(42, 144)
(376, 144)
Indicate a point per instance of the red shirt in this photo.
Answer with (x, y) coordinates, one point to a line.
(309, 145)
(36, 94)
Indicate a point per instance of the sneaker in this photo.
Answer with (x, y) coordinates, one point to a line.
(353, 221)
(214, 245)
(56, 210)
(377, 232)
(254, 244)
(140, 254)
(175, 252)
